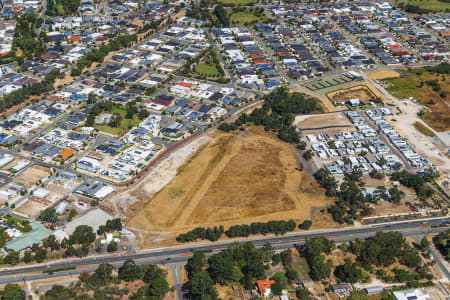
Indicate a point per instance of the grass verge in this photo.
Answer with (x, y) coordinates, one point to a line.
(423, 129)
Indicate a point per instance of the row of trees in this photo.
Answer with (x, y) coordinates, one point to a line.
(27, 91)
(213, 234)
(276, 227)
(442, 242)
(278, 113)
(98, 55)
(442, 68)
(110, 226)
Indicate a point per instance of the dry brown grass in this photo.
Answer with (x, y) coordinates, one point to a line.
(337, 119)
(423, 129)
(238, 178)
(225, 292)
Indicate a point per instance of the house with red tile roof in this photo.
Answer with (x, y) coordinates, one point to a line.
(264, 287)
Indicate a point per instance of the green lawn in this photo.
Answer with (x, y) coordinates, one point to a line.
(118, 110)
(60, 10)
(241, 18)
(109, 129)
(126, 123)
(405, 87)
(302, 268)
(434, 5)
(207, 69)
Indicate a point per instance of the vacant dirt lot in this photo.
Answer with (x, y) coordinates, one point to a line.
(363, 93)
(30, 209)
(382, 74)
(31, 175)
(236, 178)
(325, 120)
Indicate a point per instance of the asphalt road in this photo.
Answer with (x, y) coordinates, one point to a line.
(181, 254)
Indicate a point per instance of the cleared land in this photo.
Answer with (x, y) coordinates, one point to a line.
(362, 92)
(325, 120)
(382, 74)
(30, 209)
(236, 178)
(433, 5)
(32, 175)
(413, 84)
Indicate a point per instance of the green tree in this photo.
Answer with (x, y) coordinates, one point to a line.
(201, 286)
(12, 258)
(276, 289)
(424, 244)
(319, 268)
(195, 264)
(303, 294)
(27, 257)
(104, 271)
(349, 272)
(112, 247)
(305, 225)
(13, 292)
(41, 255)
(58, 292)
(236, 274)
(49, 215)
(396, 194)
(159, 287)
(129, 271)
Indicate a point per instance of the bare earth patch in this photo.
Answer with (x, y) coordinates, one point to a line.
(319, 121)
(382, 74)
(238, 178)
(32, 175)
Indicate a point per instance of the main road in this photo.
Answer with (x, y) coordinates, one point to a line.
(181, 254)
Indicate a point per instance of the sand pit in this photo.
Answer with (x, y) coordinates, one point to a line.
(382, 74)
(236, 178)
